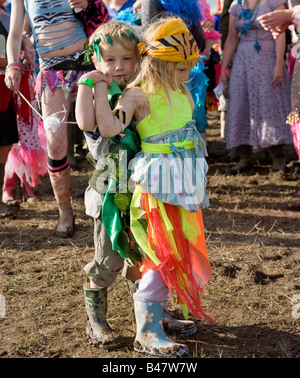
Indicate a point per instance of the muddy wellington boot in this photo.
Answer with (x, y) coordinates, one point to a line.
(278, 158)
(9, 188)
(244, 163)
(178, 327)
(150, 336)
(6, 211)
(98, 330)
(172, 326)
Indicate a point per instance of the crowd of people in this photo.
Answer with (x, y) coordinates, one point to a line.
(136, 78)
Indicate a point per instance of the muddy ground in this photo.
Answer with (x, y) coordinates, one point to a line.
(253, 242)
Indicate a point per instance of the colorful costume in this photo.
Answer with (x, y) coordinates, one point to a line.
(170, 193)
(28, 158)
(165, 211)
(110, 209)
(103, 198)
(201, 81)
(8, 120)
(190, 12)
(48, 20)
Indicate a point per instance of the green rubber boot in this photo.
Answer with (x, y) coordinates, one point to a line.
(98, 330)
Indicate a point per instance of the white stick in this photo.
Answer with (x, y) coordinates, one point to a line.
(30, 105)
(43, 119)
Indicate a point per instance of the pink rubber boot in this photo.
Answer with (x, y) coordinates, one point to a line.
(28, 194)
(9, 187)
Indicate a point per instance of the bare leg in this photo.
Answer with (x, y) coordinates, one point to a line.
(222, 121)
(55, 109)
(4, 151)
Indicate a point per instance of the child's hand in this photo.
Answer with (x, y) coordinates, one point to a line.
(98, 76)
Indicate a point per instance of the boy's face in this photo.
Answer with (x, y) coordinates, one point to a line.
(117, 62)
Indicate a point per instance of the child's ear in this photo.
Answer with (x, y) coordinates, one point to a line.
(95, 60)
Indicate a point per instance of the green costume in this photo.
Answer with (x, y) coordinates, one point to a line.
(116, 202)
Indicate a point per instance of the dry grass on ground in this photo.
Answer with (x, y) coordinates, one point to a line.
(253, 242)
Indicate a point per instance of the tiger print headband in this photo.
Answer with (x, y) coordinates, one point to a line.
(172, 42)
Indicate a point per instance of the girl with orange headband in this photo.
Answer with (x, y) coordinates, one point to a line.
(168, 178)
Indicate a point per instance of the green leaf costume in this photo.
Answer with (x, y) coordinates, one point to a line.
(117, 199)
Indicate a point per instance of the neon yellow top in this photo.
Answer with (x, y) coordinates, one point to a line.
(155, 123)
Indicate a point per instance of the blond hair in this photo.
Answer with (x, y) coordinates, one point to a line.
(155, 73)
(116, 31)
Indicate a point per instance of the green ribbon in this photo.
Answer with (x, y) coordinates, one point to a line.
(96, 48)
(111, 219)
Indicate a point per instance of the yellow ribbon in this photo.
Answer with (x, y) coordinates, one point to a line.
(165, 148)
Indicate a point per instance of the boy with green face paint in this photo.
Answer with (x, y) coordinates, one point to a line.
(113, 50)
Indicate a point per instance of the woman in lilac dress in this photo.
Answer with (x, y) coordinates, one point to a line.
(278, 22)
(259, 89)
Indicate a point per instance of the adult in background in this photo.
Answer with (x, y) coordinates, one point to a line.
(114, 7)
(277, 22)
(60, 30)
(259, 88)
(224, 22)
(188, 10)
(124, 10)
(8, 121)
